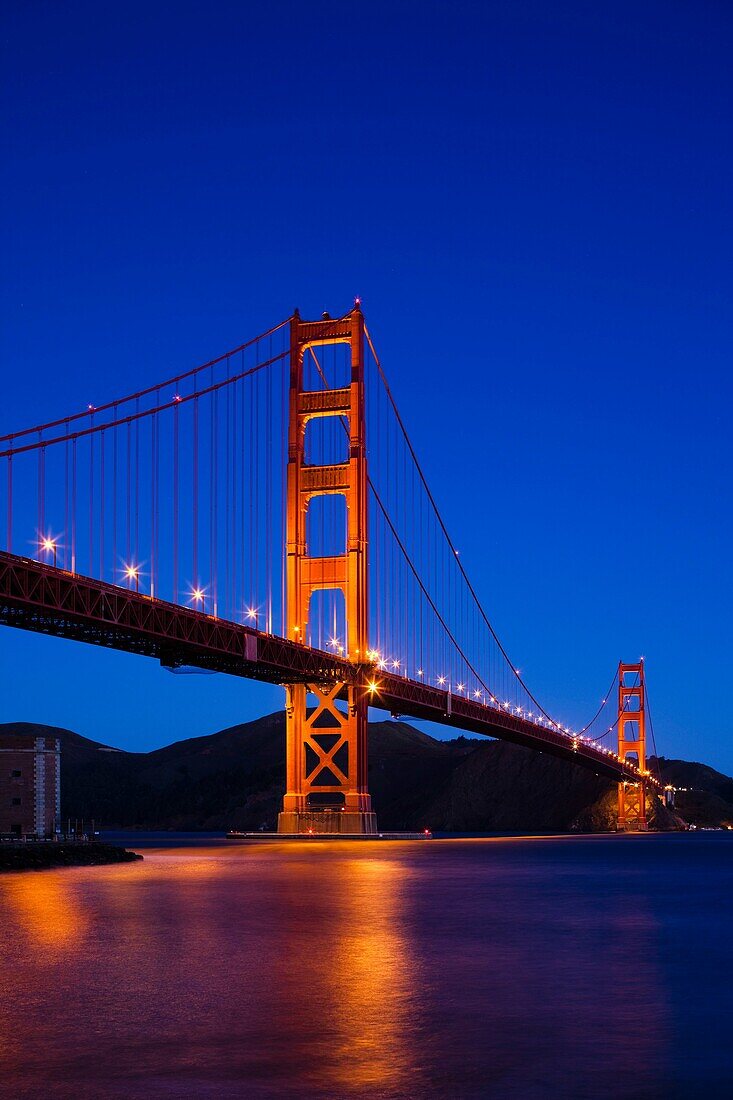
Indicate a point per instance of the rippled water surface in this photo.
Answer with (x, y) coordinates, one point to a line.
(571, 967)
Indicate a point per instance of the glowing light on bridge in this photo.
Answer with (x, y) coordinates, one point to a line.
(132, 573)
(49, 545)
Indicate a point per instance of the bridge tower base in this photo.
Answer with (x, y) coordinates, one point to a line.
(632, 809)
(326, 790)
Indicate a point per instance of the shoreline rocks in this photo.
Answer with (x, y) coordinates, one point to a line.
(42, 855)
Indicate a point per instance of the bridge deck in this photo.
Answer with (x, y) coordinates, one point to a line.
(42, 598)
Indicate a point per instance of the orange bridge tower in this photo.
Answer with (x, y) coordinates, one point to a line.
(632, 745)
(326, 788)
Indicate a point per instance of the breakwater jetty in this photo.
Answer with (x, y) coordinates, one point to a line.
(41, 856)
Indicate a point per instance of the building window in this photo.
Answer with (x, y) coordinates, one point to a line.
(16, 802)
(16, 773)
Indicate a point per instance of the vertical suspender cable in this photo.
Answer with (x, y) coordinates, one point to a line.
(115, 561)
(244, 489)
(10, 504)
(214, 502)
(66, 501)
(137, 486)
(128, 546)
(250, 484)
(175, 503)
(73, 506)
(228, 532)
(212, 495)
(153, 493)
(236, 582)
(42, 492)
(195, 493)
(268, 492)
(39, 493)
(255, 474)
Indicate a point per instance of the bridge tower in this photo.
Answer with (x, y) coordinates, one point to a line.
(326, 788)
(632, 745)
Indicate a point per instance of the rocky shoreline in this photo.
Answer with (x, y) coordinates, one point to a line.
(32, 856)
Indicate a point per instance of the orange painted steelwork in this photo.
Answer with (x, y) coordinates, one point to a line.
(632, 743)
(327, 749)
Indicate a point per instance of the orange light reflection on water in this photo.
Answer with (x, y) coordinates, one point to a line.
(371, 973)
(44, 906)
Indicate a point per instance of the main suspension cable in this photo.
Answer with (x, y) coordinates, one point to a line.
(92, 409)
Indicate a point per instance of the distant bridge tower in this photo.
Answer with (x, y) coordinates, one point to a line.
(632, 745)
(327, 750)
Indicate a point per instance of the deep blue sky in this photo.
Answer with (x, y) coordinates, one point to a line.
(534, 201)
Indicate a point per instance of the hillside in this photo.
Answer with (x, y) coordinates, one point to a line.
(234, 779)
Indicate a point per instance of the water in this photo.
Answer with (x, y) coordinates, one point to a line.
(546, 967)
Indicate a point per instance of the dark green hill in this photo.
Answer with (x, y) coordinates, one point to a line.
(704, 796)
(235, 779)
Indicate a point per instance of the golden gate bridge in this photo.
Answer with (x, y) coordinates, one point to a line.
(265, 515)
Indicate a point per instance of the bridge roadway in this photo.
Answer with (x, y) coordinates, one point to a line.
(42, 598)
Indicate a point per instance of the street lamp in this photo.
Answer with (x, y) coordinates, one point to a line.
(198, 597)
(49, 545)
(132, 572)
